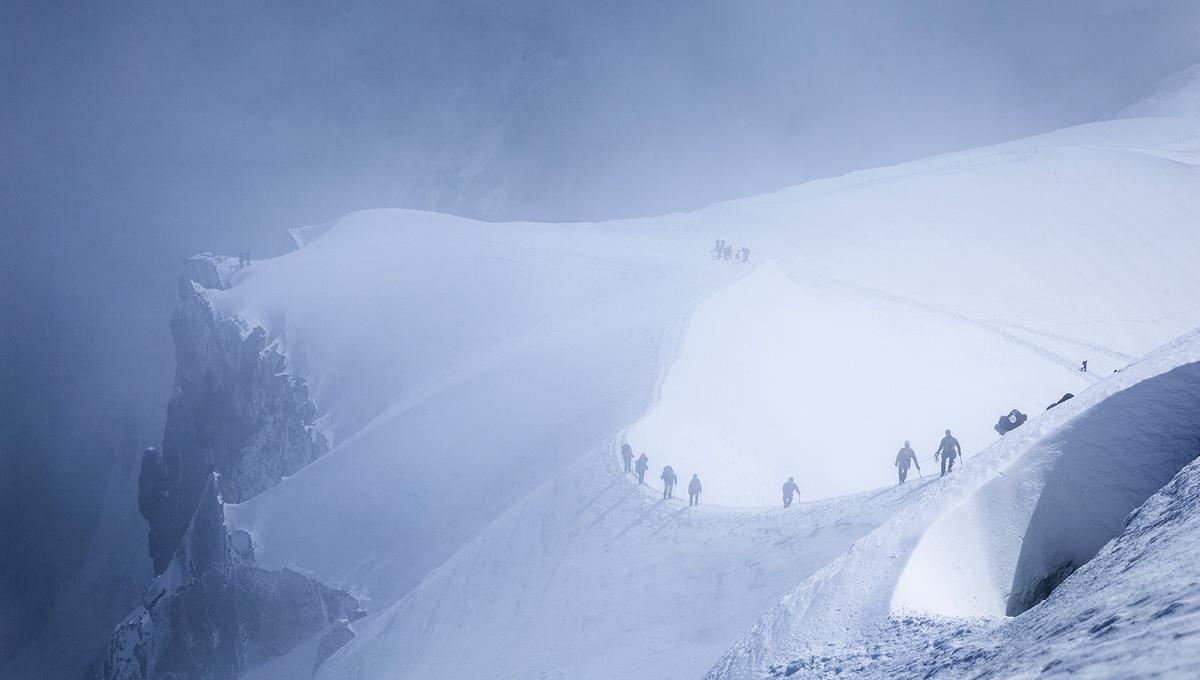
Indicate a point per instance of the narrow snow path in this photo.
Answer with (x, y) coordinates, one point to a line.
(593, 576)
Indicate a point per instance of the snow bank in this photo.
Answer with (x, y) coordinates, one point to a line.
(1016, 538)
(1013, 516)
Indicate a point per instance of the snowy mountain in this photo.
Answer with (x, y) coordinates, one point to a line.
(474, 383)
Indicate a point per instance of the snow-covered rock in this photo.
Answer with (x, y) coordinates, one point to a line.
(234, 409)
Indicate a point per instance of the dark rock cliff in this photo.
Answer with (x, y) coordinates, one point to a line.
(237, 424)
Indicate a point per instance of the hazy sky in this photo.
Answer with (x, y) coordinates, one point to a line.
(136, 133)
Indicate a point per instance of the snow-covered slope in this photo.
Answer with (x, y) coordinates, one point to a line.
(1176, 96)
(474, 380)
(593, 577)
(925, 594)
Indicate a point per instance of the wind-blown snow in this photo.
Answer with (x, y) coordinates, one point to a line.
(474, 379)
(1176, 96)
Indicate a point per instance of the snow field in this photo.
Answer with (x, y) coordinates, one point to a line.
(472, 376)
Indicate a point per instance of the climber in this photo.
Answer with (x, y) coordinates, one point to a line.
(643, 464)
(948, 450)
(694, 490)
(904, 458)
(627, 456)
(668, 478)
(1083, 368)
(790, 489)
(745, 254)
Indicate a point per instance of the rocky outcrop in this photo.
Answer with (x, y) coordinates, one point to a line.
(234, 410)
(209, 616)
(237, 424)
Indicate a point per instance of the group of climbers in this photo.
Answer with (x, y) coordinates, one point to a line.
(723, 250)
(668, 476)
(948, 451)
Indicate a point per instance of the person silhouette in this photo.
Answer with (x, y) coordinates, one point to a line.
(668, 478)
(905, 457)
(643, 464)
(790, 489)
(947, 451)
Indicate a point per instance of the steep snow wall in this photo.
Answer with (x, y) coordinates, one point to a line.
(1015, 539)
(956, 552)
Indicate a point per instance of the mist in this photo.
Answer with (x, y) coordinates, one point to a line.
(135, 135)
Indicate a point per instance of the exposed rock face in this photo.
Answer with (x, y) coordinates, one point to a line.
(208, 617)
(233, 411)
(236, 425)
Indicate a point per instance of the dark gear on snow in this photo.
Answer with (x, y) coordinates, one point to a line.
(1010, 422)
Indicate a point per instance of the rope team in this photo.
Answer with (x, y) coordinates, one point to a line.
(948, 451)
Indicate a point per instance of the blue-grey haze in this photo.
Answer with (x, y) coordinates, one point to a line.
(133, 134)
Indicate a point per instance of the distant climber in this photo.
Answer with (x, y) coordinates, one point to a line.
(790, 489)
(1065, 397)
(643, 464)
(1083, 368)
(718, 249)
(668, 479)
(694, 490)
(905, 457)
(947, 451)
(1010, 422)
(627, 456)
(745, 254)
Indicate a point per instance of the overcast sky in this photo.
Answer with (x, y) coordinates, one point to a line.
(133, 134)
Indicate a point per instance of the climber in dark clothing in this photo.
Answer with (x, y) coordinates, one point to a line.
(904, 458)
(694, 490)
(948, 450)
(1083, 368)
(790, 489)
(643, 464)
(627, 456)
(668, 479)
